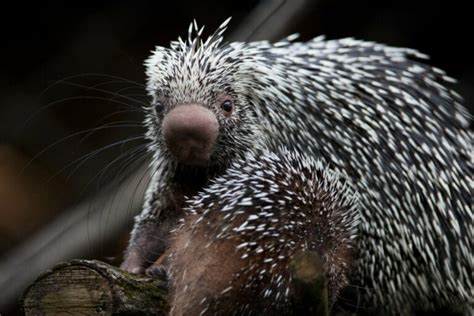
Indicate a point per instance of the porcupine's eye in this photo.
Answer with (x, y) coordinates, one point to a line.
(158, 106)
(227, 106)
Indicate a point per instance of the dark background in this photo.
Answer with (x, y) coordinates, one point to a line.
(82, 44)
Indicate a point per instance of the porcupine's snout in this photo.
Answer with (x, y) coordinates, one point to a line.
(190, 132)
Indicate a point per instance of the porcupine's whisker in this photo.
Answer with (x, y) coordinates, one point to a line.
(119, 93)
(136, 157)
(130, 153)
(91, 75)
(65, 81)
(142, 95)
(116, 94)
(120, 111)
(125, 123)
(345, 302)
(151, 170)
(348, 301)
(62, 140)
(93, 88)
(131, 156)
(112, 93)
(86, 157)
(110, 82)
(144, 156)
(141, 146)
(73, 98)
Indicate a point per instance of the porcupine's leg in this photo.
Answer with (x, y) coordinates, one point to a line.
(147, 244)
(144, 247)
(151, 230)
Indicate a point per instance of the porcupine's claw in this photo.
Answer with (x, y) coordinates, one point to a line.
(158, 269)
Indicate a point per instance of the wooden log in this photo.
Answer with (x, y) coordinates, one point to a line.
(83, 287)
(310, 284)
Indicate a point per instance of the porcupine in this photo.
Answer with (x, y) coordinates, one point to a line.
(232, 253)
(374, 113)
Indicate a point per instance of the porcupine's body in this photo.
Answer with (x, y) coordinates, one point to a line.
(369, 111)
(232, 253)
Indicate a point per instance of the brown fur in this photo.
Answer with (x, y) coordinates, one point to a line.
(202, 267)
(205, 269)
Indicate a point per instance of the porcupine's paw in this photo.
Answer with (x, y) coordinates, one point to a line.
(134, 264)
(156, 271)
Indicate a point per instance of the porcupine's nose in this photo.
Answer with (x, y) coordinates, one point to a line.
(190, 132)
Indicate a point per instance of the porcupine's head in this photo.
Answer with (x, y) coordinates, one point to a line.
(200, 115)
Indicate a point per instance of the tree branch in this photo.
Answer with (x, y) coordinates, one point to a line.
(94, 288)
